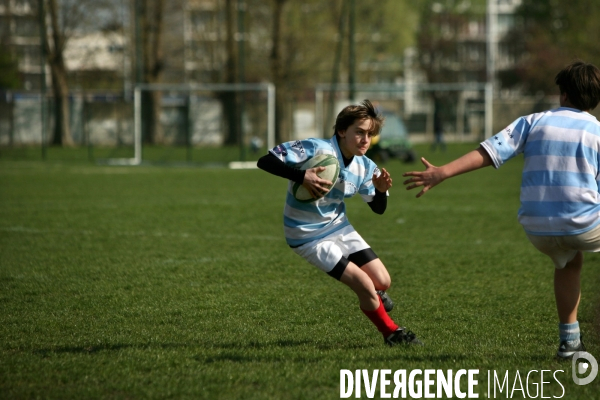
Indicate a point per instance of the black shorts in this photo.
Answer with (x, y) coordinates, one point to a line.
(359, 258)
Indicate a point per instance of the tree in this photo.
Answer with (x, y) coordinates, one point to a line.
(443, 44)
(291, 43)
(550, 34)
(278, 71)
(9, 69)
(62, 19)
(229, 99)
(56, 41)
(304, 35)
(447, 52)
(150, 28)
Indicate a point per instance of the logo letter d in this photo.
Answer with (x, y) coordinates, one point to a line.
(593, 364)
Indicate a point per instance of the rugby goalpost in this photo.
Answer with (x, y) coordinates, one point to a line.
(188, 89)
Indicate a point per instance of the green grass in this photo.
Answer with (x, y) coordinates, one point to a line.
(148, 282)
(151, 154)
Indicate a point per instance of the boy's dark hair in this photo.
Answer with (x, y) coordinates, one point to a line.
(581, 82)
(351, 113)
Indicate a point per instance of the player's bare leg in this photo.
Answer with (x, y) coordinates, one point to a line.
(567, 289)
(378, 274)
(362, 284)
(372, 306)
(381, 279)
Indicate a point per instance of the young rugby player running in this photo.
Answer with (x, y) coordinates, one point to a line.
(560, 199)
(320, 232)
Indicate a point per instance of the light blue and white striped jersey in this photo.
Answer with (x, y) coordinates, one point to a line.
(305, 222)
(559, 188)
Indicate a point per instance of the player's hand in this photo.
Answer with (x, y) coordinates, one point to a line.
(428, 178)
(316, 186)
(382, 182)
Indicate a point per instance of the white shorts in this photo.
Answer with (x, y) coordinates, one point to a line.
(326, 252)
(562, 249)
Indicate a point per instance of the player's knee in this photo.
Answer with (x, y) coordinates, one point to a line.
(387, 282)
(378, 274)
(383, 282)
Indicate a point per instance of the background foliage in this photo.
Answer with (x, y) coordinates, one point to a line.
(548, 35)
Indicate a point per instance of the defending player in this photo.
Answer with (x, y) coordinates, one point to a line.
(560, 200)
(320, 231)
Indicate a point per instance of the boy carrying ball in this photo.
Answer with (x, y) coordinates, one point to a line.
(319, 231)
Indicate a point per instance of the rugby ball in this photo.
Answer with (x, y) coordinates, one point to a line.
(331, 172)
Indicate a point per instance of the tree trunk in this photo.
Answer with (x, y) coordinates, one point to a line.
(60, 88)
(152, 20)
(229, 99)
(278, 73)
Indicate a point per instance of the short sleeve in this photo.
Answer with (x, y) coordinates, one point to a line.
(509, 142)
(294, 153)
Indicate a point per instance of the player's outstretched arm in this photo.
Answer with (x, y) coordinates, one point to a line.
(433, 176)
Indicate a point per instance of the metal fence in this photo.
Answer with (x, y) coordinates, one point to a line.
(102, 120)
(107, 120)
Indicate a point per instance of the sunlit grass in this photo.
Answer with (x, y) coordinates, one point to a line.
(148, 282)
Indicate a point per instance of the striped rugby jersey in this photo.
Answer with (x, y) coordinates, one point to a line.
(305, 222)
(559, 188)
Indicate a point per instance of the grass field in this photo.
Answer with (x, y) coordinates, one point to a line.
(176, 283)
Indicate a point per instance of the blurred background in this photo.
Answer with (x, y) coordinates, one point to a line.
(215, 81)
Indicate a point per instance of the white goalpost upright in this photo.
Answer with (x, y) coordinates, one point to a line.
(137, 159)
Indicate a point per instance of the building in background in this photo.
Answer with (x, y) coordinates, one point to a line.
(450, 62)
(204, 41)
(196, 51)
(96, 58)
